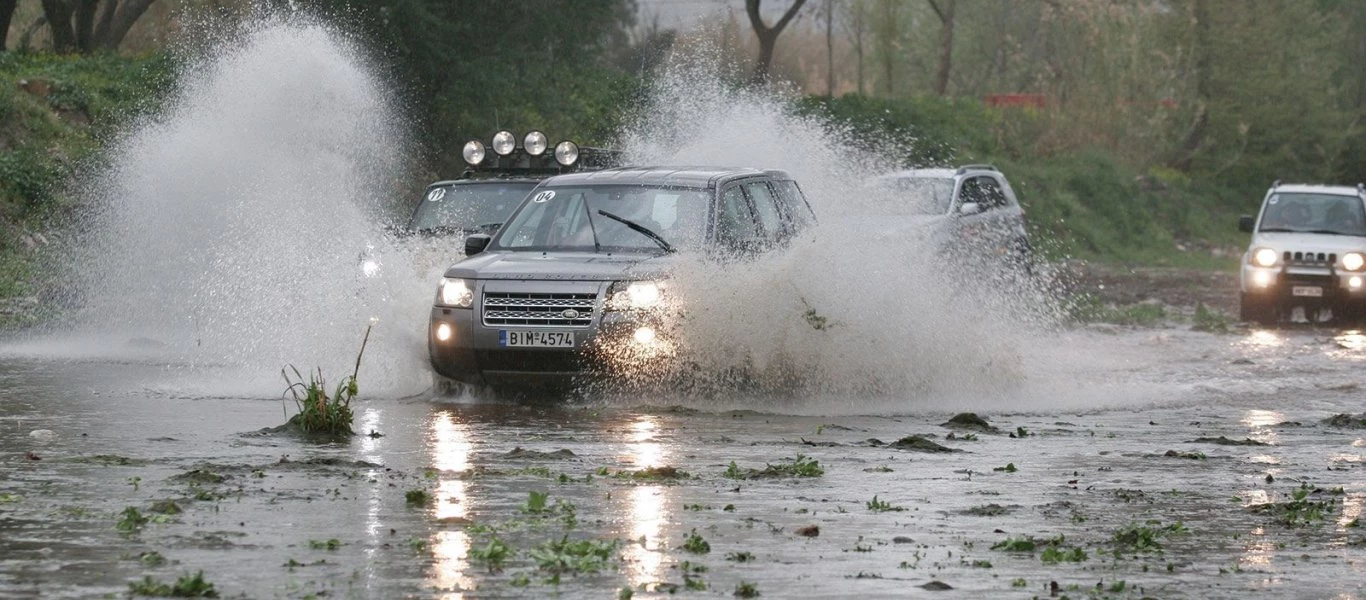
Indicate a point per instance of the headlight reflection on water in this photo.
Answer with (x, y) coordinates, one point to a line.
(450, 447)
(647, 546)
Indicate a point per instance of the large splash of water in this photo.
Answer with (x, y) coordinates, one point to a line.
(230, 229)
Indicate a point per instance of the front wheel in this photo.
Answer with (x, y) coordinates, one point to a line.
(1252, 309)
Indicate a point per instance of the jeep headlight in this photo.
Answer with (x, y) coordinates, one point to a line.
(1265, 257)
(504, 143)
(1353, 261)
(566, 153)
(635, 295)
(473, 152)
(455, 293)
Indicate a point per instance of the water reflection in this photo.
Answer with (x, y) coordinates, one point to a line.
(1262, 338)
(648, 546)
(1351, 340)
(1261, 424)
(1259, 550)
(450, 448)
(1351, 511)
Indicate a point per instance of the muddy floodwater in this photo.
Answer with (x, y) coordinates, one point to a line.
(1181, 464)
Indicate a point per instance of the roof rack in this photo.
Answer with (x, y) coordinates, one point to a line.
(981, 167)
(1276, 183)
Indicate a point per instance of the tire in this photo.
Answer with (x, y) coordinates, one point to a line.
(1261, 311)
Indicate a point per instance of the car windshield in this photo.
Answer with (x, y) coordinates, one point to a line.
(910, 196)
(591, 218)
(1314, 213)
(473, 206)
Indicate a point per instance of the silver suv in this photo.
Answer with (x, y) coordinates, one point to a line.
(576, 282)
(1308, 251)
(971, 209)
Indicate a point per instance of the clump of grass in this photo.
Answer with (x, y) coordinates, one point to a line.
(574, 557)
(188, 586)
(745, 589)
(696, 544)
(1011, 544)
(1307, 506)
(1057, 554)
(1009, 468)
(330, 544)
(1146, 537)
(131, 520)
(802, 466)
(742, 556)
(662, 473)
(1209, 320)
(418, 497)
(319, 414)
(876, 505)
(493, 554)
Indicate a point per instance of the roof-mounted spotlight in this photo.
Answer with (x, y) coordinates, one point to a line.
(504, 143)
(535, 143)
(566, 153)
(473, 152)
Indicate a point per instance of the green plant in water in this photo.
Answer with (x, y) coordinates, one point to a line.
(745, 589)
(579, 556)
(319, 414)
(417, 497)
(331, 544)
(493, 554)
(188, 586)
(131, 520)
(695, 544)
(876, 505)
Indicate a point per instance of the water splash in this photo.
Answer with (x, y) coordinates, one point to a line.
(230, 229)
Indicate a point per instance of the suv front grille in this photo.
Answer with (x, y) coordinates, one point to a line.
(1309, 258)
(539, 310)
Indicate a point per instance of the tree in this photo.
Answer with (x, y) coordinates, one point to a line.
(768, 36)
(89, 25)
(6, 13)
(857, 26)
(941, 79)
(830, 48)
(1195, 138)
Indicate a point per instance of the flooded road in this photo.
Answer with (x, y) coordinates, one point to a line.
(1124, 463)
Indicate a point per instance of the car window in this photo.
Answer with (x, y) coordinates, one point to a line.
(469, 206)
(992, 193)
(1317, 213)
(766, 207)
(796, 211)
(734, 222)
(577, 218)
(979, 191)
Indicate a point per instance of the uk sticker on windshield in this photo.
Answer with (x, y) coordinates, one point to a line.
(545, 196)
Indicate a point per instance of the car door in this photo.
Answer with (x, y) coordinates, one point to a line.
(735, 229)
(980, 209)
(768, 214)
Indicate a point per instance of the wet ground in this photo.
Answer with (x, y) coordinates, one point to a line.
(1183, 464)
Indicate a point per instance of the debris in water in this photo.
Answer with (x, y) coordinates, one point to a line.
(970, 421)
(32, 456)
(920, 444)
(43, 435)
(520, 453)
(1223, 441)
(1190, 455)
(808, 531)
(1346, 421)
(936, 586)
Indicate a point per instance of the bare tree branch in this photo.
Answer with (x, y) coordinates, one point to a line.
(768, 36)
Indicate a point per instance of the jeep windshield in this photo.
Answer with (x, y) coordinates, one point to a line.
(910, 196)
(1331, 214)
(600, 219)
(479, 206)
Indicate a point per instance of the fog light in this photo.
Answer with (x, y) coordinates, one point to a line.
(1354, 283)
(1261, 279)
(443, 332)
(644, 335)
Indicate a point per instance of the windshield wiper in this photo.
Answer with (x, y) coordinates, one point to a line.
(639, 228)
(589, 212)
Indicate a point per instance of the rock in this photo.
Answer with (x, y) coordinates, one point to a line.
(901, 539)
(1347, 421)
(1223, 441)
(920, 444)
(520, 453)
(936, 586)
(970, 421)
(808, 531)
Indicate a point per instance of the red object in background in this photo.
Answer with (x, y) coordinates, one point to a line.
(1015, 100)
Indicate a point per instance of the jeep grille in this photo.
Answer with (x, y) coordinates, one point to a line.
(1309, 258)
(538, 310)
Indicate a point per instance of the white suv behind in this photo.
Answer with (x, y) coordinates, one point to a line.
(1308, 252)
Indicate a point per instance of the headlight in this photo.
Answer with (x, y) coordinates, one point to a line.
(473, 152)
(535, 143)
(504, 143)
(454, 292)
(1264, 257)
(635, 295)
(566, 153)
(1353, 261)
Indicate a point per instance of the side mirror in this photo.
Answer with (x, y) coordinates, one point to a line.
(1246, 222)
(476, 243)
(969, 208)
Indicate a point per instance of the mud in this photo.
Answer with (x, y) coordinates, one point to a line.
(1186, 464)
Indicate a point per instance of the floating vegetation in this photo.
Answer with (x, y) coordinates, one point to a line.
(188, 586)
(802, 466)
(1308, 505)
(319, 414)
(1145, 537)
(1223, 441)
(695, 543)
(921, 444)
(876, 505)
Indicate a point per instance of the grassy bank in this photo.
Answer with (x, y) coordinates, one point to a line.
(55, 113)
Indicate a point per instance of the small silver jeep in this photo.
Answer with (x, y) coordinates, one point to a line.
(1307, 252)
(576, 283)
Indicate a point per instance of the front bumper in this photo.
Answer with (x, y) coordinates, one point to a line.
(612, 346)
(1318, 285)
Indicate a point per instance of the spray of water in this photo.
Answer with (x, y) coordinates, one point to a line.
(230, 229)
(851, 314)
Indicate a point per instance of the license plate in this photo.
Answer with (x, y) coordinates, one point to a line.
(535, 339)
(1311, 291)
